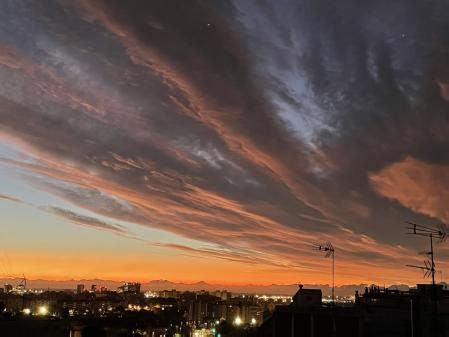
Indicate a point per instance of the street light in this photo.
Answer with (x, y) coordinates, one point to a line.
(42, 310)
(238, 321)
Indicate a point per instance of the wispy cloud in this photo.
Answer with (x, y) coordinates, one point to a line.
(10, 198)
(86, 221)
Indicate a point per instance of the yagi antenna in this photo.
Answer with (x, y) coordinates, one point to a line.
(329, 250)
(442, 232)
(428, 268)
(439, 233)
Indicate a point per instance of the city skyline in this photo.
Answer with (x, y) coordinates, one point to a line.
(219, 141)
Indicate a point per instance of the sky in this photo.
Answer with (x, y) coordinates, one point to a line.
(219, 140)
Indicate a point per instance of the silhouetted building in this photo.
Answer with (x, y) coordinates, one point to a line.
(251, 313)
(419, 312)
(169, 293)
(306, 316)
(219, 310)
(306, 298)
(8, 288)
(204, 306)
(222, 294)
(80, 288)
(423, 310)
(198, 309)
(130, 288)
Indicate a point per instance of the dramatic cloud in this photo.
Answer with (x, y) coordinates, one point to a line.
(419, 186)
(255, 128)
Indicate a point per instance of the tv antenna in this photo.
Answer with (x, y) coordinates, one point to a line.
(329, 252)
(427, 268)
(23, 282)
(432, 233)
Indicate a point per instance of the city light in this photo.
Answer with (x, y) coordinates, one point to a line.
(203, 333)
(150, 294)
(27, 311)
(42, 310)
(253, 321)
(238, 321)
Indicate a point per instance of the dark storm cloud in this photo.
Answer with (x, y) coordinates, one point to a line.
(257, 127)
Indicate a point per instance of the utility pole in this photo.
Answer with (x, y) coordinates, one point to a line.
(432, 269)
(411, 318)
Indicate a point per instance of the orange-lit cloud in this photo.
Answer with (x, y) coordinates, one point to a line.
(420, 186)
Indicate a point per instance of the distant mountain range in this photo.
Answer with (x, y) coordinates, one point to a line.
(273, 289)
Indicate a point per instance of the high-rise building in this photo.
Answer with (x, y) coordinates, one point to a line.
(80, 288)
(169, 293)
(200, 308)
(197, 310)
(219, 310)
(130, 288)
(251, 313)
(223, 294)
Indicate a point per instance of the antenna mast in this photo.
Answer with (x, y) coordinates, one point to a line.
(328, 248)
(421, 230)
